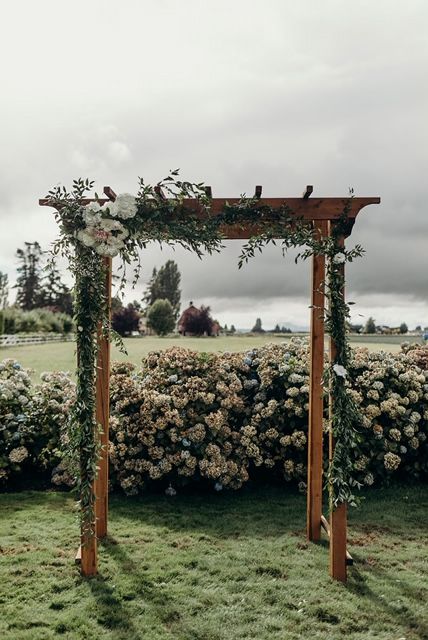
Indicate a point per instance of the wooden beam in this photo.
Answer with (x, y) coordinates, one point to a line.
(103, 413)
(307, 193)
(316, 392)
(108, 191)
(159, 192)
(309, 209)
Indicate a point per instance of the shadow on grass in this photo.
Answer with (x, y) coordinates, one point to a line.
(358, 585)
(115, 608)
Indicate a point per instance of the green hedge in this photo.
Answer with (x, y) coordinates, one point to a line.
(36, 321)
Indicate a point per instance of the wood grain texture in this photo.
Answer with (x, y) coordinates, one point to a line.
(103, 414)
(316, 392)
(89, 555)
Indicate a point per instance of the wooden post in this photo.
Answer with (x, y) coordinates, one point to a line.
(103, 414)
(338, 516)
(88, 555)
(316, 399)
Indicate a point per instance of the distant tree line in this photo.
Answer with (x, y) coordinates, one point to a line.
(43, 302)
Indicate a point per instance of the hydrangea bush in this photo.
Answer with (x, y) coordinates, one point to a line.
(220, 419)
(15, 421)
(33, 421)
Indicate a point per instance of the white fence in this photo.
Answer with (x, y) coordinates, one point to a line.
(12, 340)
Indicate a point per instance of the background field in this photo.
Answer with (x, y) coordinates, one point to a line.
(60, 356)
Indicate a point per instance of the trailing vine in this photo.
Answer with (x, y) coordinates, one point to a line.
(159, 213)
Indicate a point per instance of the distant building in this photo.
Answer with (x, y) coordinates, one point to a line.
(193, 312)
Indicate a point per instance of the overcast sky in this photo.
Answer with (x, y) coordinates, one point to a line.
(282, 93)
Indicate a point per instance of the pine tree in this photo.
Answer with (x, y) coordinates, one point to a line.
(165, 285)
(28, 281)
(258, 327)
(4, 290)
(54, 293)
(370, 326)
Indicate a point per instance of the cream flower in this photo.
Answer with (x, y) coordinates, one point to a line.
(18, 455)
(125, 206)
(105, 236)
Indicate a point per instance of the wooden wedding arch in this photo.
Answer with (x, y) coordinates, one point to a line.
(321, 213)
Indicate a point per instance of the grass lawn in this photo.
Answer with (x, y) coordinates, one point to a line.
(60, 355)
(214, 567)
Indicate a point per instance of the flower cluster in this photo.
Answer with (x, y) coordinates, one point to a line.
(392, 391)
(33, 421)
(52, 404)
(102, 230)
(15, 421)
(223, 418)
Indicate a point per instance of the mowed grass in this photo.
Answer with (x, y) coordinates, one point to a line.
(229, 566)
(60, 356)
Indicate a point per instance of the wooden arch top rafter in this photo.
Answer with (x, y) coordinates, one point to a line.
(303, 208)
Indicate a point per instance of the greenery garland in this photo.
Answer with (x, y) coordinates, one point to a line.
(158, 213)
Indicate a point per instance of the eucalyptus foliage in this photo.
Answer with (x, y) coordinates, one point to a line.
(159, 213)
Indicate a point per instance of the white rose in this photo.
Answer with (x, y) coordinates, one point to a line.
(339, 258)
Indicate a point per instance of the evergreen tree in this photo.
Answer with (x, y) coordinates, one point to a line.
(232, 328)
(277, 329)
(165, 285)
(28, 281)
(54, 293)
(370, 326)
(4, 290)
(160, 317)
(403, 328)
(258, 327)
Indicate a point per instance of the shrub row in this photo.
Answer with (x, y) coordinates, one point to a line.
(221, 419)
(15, 320)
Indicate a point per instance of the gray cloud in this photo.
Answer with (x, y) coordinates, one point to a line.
(280, 93)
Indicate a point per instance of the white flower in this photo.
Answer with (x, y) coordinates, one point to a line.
(92, 213)
(105, 236)
(125, 206)
(340, 371)
(339, 258)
